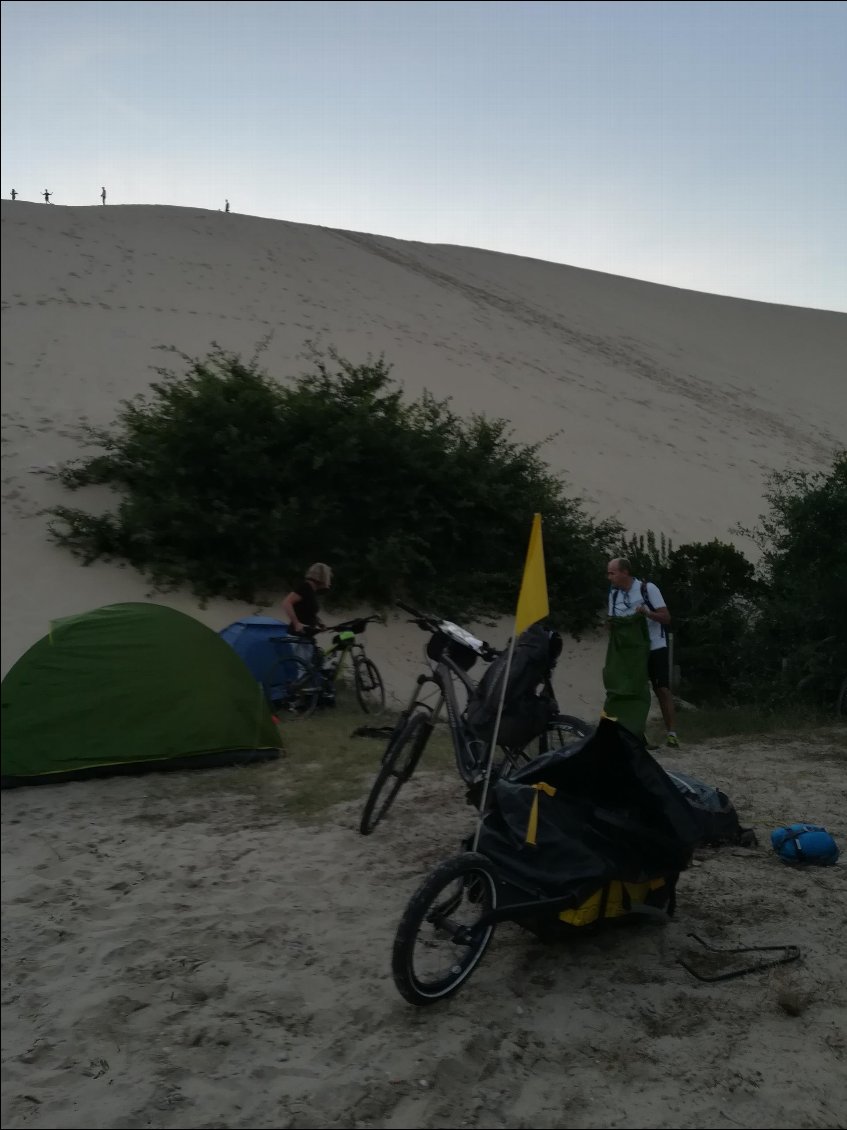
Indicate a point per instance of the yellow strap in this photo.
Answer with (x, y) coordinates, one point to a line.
(532, 828)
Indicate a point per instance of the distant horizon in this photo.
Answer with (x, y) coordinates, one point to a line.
(440, 243)
(696, 145)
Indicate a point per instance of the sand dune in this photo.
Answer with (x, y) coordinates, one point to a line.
(178, 951)
(668, 407)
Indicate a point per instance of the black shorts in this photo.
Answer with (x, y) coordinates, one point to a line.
(658, 669)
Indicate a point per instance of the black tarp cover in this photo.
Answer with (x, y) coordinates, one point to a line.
(604, 809)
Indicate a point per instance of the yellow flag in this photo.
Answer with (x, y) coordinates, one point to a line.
(532, 602)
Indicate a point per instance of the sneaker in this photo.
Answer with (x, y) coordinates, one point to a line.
(672, 741)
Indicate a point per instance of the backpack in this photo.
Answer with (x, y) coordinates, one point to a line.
(713, 812)
(804, 843)
(526, 713)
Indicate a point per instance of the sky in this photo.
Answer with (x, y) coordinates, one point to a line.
(700, 145)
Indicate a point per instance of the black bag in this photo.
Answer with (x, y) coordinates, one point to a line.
(713, 812)
(526, 712)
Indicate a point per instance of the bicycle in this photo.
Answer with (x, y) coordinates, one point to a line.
(451, 652)
(303, 676)
(367, 681)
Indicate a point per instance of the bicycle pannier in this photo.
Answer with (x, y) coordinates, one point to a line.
(526, 712)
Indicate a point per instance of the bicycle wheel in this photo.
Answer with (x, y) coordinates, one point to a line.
(293, 689)
(398, 764)
(563, 730)
(440, 941)
(370, 690)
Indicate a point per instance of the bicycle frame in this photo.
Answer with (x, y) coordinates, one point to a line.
(328, 663)
(335, 658)
(448, 674)
(443, 676)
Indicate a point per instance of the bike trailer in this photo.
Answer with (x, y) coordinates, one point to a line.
(583, 835)
(598, 824)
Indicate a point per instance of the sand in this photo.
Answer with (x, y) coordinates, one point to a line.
(179, 951)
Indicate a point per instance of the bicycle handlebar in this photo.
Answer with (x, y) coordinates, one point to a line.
(412, 611)
(349, 624)
(434, 624)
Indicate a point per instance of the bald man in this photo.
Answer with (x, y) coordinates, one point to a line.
(628, 596)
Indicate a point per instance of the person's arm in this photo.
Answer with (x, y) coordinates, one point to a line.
(289, 610)
(660, 615)
(659, 611)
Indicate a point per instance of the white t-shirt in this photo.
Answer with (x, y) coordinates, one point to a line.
(622, 603)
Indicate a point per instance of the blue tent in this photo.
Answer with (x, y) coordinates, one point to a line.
(251, 639)
(272, 656)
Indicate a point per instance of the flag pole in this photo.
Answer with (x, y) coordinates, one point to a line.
(532, 606)
(491, 752)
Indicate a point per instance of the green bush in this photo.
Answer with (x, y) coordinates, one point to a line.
(800, 631)
(714, 593)
(647, 556)
(231, 483)
(774, 635)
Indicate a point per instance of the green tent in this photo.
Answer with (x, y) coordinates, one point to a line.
(126, 688)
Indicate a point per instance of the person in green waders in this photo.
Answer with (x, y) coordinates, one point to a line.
(637, 654)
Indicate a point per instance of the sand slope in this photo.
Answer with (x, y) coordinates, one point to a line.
(178, 951)
(668, 406)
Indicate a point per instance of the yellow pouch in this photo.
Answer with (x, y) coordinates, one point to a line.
(612, 901)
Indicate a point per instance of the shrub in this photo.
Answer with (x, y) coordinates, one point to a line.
(774, 635)
(231, 483)
(800, 634)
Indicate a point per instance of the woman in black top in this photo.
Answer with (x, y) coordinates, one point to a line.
(301, 604)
